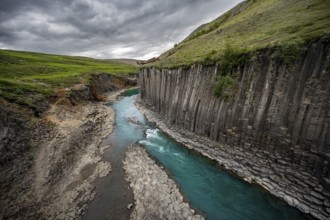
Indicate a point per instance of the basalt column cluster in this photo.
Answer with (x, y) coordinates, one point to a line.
(275, 124)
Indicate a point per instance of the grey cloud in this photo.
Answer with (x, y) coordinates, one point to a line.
(103, 28)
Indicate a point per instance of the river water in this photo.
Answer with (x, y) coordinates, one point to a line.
(208, 188)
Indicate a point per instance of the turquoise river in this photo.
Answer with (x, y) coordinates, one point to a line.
(209, 189)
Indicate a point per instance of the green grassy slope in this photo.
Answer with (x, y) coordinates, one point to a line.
(253, 24)
(125, 61)
(26, 75)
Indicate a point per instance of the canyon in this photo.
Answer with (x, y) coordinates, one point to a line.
(231, 117)
(274, 129)
(271, 130)
(49, 164)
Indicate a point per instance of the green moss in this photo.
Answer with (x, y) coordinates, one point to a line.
(231, 58)
(224, 87)
(210, 58)
(289, 51)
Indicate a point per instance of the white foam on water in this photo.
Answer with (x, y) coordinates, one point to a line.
(149, 143)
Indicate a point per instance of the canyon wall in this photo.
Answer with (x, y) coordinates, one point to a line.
(274, 127)
(49, 163)
(99, 85)
(16, 125)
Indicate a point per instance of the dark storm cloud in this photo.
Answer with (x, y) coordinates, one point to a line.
(103, 28)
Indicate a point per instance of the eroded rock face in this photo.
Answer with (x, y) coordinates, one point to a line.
(103, 83)
(156, 195)
(49, 163)
(273, 130)
(100, 85)
(54, 177)
(67, 165)
(15, 131)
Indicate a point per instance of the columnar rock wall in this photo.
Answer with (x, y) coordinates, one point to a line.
(277, 119)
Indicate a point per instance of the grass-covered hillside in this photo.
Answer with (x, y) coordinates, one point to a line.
(251, 25)
(26, 75)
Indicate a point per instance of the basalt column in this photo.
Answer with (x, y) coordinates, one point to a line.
(277, 113)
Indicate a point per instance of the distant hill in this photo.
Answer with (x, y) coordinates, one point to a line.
(125, 61)
(253, 24)
(27, 75)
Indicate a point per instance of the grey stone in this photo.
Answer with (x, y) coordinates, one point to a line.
(327, 210)
(51, 159)
(129, 206)
(156, 195)
(303, 208)
(326, 183)
(317, 195)
(327, 203)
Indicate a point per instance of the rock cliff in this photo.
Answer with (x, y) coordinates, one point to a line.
(273, 130)
(48, 164)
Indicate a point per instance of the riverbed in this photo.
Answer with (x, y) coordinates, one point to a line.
(209, 189)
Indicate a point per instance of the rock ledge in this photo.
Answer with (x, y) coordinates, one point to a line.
(156, 195)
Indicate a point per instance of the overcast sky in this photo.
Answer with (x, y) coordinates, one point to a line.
(138, 29)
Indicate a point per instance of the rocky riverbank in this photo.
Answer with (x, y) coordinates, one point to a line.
(156, 195)
(55, 178)
(49, 161)
(235, 160)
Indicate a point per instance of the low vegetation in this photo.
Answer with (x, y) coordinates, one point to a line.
(26, 76)
(210, 58)
(224, 87)
(289, 51)
(231, 58)
(254, 25)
